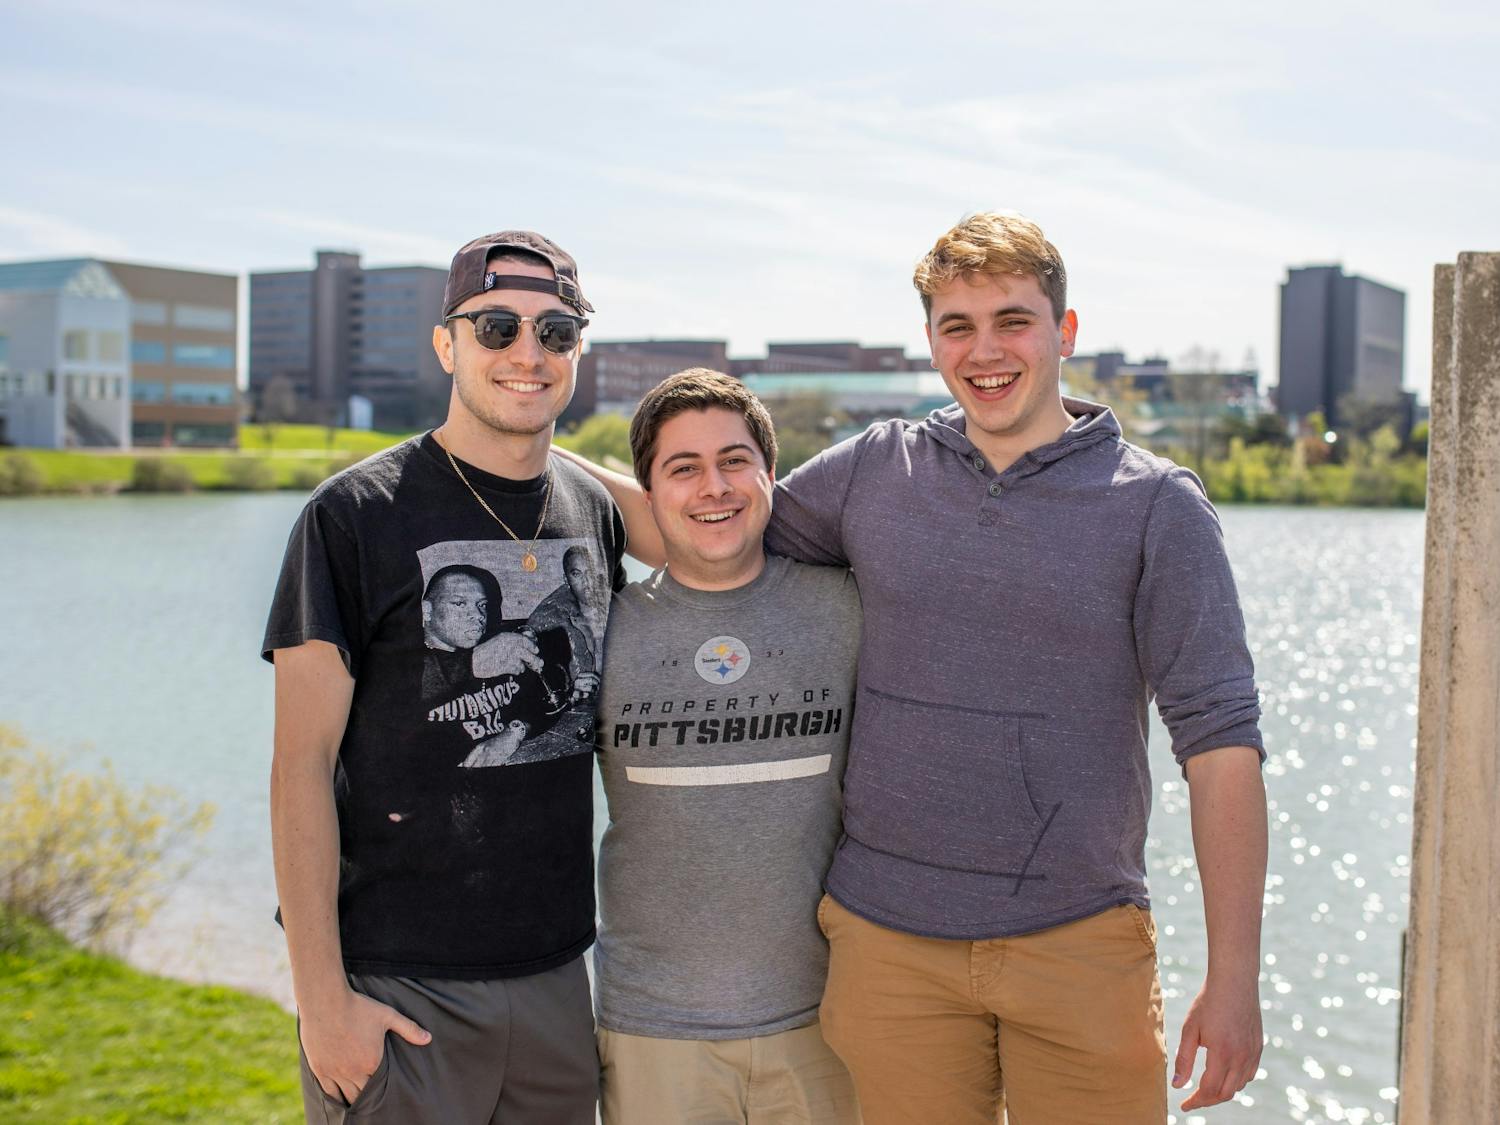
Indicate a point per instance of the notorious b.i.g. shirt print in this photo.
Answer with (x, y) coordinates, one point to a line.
(510, 653)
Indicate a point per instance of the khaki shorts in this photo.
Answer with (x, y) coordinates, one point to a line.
(1060, 1026)
(790, 1078)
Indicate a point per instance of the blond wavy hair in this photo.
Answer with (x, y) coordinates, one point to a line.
(996, 243)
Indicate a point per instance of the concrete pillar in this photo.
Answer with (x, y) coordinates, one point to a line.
(1450, 1033)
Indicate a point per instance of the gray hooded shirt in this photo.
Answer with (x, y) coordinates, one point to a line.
(1017, 626)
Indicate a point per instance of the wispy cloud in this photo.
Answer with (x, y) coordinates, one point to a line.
(34, 234)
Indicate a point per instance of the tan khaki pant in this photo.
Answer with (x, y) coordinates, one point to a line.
(790, 1078)
(1061, 1026)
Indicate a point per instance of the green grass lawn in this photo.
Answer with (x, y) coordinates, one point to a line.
(85, 1038)
(286, 437)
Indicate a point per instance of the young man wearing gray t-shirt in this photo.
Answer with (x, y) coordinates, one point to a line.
(723, 726)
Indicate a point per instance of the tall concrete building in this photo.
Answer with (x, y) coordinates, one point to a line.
(184, 387)
(1342, 337)
(319, 337)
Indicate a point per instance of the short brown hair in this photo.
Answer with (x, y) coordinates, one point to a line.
(697, 388)
(994, 242)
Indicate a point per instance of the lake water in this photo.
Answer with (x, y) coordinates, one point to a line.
(130, 629)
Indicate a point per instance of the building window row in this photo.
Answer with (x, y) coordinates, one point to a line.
(183, 316)
(95, 387)
(19, 386)
(203, 355)
(77, 343)
(203, 394)
(183, 355)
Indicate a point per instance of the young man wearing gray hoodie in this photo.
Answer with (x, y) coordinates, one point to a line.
(1030, 582)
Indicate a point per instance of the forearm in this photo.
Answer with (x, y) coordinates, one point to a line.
(1228, 799)
(642, 539)
(305, 845)
(313, 696)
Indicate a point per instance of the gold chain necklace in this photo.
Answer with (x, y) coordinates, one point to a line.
(528, 560)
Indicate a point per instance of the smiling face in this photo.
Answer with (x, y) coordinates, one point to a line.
(1000, 347)
(710, 493)
(522, 389)
(455, 612)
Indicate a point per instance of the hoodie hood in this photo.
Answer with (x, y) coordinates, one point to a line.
(1092, 423)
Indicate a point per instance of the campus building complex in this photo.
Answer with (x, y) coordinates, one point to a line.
(343, 333)
(614, 375)
(111, 354)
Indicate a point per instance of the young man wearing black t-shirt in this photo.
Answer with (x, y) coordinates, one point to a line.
(431, 789)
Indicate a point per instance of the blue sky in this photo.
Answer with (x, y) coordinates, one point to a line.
(772, 172)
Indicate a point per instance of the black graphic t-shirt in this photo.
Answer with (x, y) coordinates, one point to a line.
(464, 780)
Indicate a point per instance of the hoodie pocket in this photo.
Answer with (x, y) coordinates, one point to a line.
(942, 785)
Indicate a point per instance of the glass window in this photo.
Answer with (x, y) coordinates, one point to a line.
(202, 435)
(202, 316)
(111, 346)
(203, 355)
(147, 433)
(75, 344)
(148, 312)
(148, 390)
(203, 394)
(148, 351)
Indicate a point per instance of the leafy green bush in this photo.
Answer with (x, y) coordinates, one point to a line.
(85, 853)
(250, 474)
(308, 476)
(20, 476)
(160, 474)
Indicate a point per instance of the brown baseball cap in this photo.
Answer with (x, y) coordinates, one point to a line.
(468, 276)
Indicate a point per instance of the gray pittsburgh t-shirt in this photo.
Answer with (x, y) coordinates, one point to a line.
(722, 729)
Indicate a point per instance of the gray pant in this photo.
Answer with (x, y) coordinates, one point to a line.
(504, 1052)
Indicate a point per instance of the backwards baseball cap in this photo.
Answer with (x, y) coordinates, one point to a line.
(467, 275)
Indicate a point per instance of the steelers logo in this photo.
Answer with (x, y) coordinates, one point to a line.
(722, 660)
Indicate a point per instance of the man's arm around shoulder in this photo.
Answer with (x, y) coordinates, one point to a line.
(642, 538)
(1228, 800)
(343, 1033)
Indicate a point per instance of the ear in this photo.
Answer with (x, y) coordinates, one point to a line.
(442, 343)
(1069, 329)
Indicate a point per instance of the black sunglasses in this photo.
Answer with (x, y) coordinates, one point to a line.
(498, 329)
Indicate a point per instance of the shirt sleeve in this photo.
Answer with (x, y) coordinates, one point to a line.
(1190, 634)
(318, 592)
(808, 505)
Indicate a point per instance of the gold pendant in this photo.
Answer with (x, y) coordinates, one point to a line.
(528, 562)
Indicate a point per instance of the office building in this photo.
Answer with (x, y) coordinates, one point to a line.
(613, 375)
(341, 330)
(1342, 338)
(64, 347)
(112, 354)
(829, 356)
(184, 387)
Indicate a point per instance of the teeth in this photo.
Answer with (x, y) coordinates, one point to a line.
(994, 382)
(713, 517)
(523, 386)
